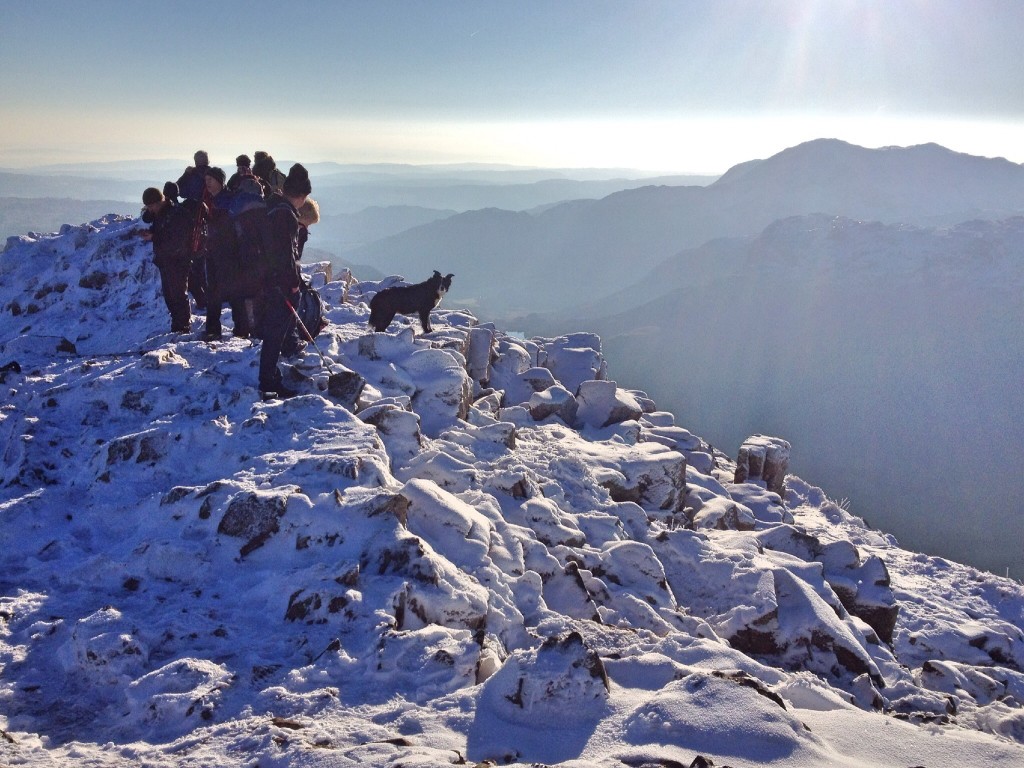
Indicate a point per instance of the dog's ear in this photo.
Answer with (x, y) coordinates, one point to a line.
(436, 274)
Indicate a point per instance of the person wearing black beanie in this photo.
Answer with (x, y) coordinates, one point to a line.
(282, 278)
(269, 175)
(170, 233)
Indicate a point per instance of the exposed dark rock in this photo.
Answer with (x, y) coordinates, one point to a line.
(253, 516)
(345, 387)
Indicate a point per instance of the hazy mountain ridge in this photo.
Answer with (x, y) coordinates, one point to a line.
(629, 232)
(342, 232)
(19, 185)
(925, 184)
(488, 552)
(21, 215)
(360, 191)
(346, 196)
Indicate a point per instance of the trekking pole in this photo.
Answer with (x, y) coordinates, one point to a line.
(346, 385)
(302, 325)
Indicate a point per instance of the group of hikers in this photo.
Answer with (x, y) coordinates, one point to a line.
(238, 241)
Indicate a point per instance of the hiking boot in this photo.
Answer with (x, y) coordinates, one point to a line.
(211, 336)
(280, 392)
(294, 349)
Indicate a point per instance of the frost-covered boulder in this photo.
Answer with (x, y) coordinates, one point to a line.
(444, 390)
(574, 358)
(562, 683)
(178, 697)
(450, 525)
(398, 427)
(520, 388)
(254, 517)
(479, 353)
(554, 401)
(104, 648)
(550, 524)
(862, 583)
(763, 459)
(646, 473)
(601, 403)
(723, 514)
(804, 631)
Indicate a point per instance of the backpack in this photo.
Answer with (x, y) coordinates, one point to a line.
(276, 179)
(311, 309)
(198, 215)
(249, 185)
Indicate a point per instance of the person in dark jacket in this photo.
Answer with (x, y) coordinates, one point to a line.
(170, 235)
(265, 169)
(228, 279)
(192, 183)
(243, 178)
(282, 277)
(192, 188)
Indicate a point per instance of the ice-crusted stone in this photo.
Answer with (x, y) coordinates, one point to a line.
(723, 514)
(574, 358)
(763, 459)
(449, 524)
(518, 389)
(105, 648)
(444, 390)
(179, 696)
(554, 401)
(375, 346)
(479, 353)
(805, 632)
(253, 516)
(345, 386)
(648, 474)
(862, 585)
(551, 525)
(398, 427)
(601, 403)
(560, 682)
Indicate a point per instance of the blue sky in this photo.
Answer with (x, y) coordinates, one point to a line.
(659, 84)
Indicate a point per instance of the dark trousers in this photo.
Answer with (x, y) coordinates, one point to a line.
(197, 282)
(225, 284)
(278, 325)
(174, 285)
(239, 316)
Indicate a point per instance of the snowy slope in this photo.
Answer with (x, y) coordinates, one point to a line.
(489, 553)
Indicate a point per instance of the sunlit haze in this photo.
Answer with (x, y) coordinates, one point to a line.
(661, 86)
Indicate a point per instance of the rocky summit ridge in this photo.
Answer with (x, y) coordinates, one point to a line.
(481, 531)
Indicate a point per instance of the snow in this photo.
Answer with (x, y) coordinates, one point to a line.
(493, 553)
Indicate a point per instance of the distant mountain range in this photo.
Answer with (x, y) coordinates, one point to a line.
(382, 200)
(513, 263)
(20, 215)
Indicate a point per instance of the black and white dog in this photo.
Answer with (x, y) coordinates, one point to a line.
(409, 299)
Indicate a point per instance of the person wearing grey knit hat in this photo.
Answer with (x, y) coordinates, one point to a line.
(218, 174)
